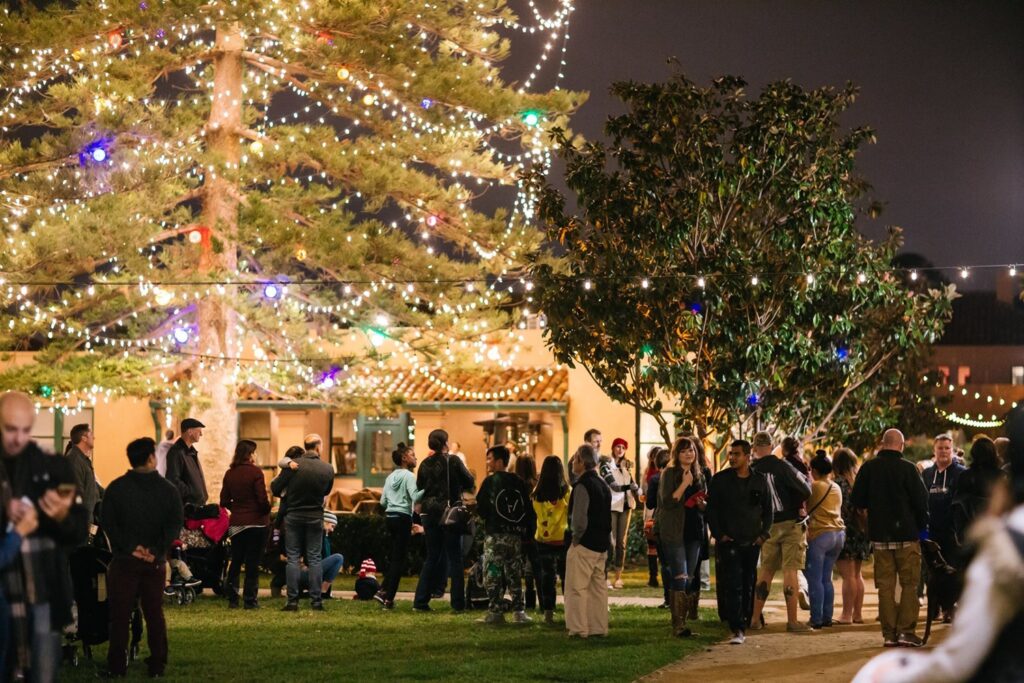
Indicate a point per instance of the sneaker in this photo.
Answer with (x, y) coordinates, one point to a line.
(890, 643)
(317, 607)
(805, 603)
(814, 627)
(291, 607)
(521, 618)
(610, 586)
(191, 582)
(379, 597)
(737, 638)
(389, 604)
(909, 640)
(170, 589)
(798, 627)
(492, 618)
(424, 608)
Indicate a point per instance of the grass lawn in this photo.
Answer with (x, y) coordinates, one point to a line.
(359, 641)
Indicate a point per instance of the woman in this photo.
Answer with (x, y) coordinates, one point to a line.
(793, 454)
(616, 473)
(397, 501)
(443, 479)
(704, 573)
(551, 503)
(974, 488)
(856, 547)
(660, 458)
(825, 538)
(681, 488)
(244, 493)
(526, 469)
(650, 473)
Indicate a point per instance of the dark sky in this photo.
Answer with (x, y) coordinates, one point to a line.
(942, 84)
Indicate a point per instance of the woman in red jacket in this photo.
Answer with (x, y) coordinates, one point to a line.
(244, 493)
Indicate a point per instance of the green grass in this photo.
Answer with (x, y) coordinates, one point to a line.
(360, 642)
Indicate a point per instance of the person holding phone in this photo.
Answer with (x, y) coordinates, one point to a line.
(47, 483)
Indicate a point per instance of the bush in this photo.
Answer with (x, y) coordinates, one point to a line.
(359, 536)
(636, 542)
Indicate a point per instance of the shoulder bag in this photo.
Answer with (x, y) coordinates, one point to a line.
(456, 515)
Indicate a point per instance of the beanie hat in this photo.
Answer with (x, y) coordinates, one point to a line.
(367, 567)
(331, 518)
(619, 441)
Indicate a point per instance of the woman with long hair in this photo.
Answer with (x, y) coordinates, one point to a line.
(526, 469)
(701, 527)
(826, 534)
(856, 547)
(551, 503)
(682, 485)
(659, 456)
(244, 493)
(974, 489)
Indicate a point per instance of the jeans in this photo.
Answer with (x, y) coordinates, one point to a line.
(531, 571)
(130, 579)
(399, 529)
(822, 553)
(330, 566)
(903, 564)
(444, 554)
(736, 570)
(552, 568)
(303, 536)
(246, 549)
(683, 566)
(620, 529)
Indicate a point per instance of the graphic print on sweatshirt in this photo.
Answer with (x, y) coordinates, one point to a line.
(510, 505)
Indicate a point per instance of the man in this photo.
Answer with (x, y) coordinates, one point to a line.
(941, 480)
(142, 515)
(739, 514)
(161, 452)
(1003, 452)
(620, 482)
(183, 468)
(37, 585)
(308, 485)
(79, 456)
(892, 494)
(313, 442)
(330, 563)
(590, 514)
(503, 502)
(786, 547)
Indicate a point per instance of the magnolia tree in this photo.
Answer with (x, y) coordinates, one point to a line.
(199, 195)
(713, 266)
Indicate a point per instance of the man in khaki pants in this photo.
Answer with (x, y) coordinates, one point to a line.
(586, 591)
(892, 493)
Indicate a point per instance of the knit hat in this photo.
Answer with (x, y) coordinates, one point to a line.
(331, 518)
(619, 441)
(367, 567)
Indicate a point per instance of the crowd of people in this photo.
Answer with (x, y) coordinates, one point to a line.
(772, 509)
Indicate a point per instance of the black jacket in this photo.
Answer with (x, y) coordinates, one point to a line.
(740, 508)
(591, 491)
(307, 486)
(141, 509)
(788, 490)
(186, 474)
(441, 485)
(891, 490)
(503, 502)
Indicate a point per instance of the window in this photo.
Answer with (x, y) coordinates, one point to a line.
(1017, 375)
(963, 375)
(52, 430)
(255, 426)
(343, 444)
(650, 436)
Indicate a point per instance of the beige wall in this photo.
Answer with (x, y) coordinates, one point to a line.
(115, 425)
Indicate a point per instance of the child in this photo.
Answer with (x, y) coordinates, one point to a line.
(367, 585)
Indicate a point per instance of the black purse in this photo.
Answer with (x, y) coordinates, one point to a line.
(456, 515)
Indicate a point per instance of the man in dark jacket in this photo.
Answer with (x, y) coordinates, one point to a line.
(941, 481)
(786, 547)
(503, 502)
(37, 584)
(586, 588)
(890, 490)
(739, 514)
(307, 485)
(142, 515)
(79, 455)
(183, 468)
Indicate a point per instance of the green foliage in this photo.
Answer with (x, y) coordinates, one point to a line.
(706, 186)
(358, 537)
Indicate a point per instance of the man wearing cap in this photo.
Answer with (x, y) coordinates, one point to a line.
(307, 485)
(183, 468)
(615, 471)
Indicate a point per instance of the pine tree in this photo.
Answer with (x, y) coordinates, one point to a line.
(201, 194)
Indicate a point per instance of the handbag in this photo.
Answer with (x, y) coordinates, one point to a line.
(456, 515)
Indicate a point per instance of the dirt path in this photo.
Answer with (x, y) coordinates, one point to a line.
(831, 655)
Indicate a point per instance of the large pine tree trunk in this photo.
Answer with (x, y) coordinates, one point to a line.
(217, 335)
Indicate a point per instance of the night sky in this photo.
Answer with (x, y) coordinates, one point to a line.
(942, 84)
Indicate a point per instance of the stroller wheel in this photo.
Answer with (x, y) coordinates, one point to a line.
(180, 596)
(189, 595)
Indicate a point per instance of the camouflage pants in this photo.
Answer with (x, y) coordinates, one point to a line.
(503, 570)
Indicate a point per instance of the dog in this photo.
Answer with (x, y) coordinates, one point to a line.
(944, 586)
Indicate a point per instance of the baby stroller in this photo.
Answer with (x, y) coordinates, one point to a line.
(88, 566)
(202, 549)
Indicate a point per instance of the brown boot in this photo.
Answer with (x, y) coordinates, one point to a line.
(679, 605)
(691, 613)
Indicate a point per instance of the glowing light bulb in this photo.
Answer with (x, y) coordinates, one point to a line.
(810, 278)
(701, 282)
(862, 278)
(369, 99)
(1013, 271)
(195, 236)
(587, 285)
(645, 283)
(964, 273)
(343, 73)
(181, 335)
(256, 147)
(530, 117)
(432, 220)
(162, 297)
(382, 320)
(426, 103)
(913, 275)
(98, 154)
(754, 280)
(272, 291)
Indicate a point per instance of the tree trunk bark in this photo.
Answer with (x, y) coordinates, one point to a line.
(216, 317)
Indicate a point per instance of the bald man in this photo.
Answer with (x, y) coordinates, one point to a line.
(38, 586)
(890, 490)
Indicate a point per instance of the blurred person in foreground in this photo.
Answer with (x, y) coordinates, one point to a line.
(984, 641)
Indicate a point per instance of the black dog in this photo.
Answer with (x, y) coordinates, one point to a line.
(945, 584)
